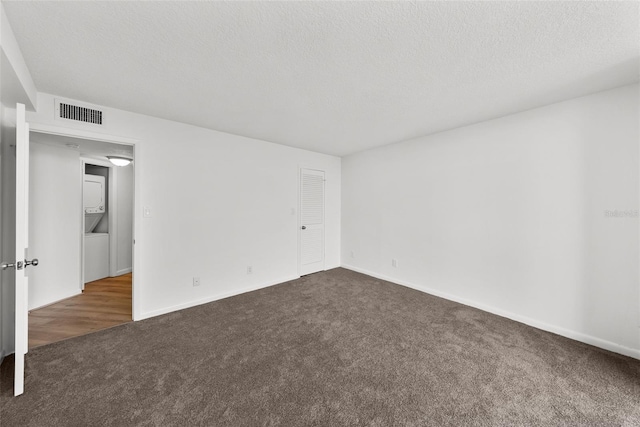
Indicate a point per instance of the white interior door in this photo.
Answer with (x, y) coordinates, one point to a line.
(311, 248)
(22, 239)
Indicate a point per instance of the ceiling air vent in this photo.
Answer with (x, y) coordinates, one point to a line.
(78, 113)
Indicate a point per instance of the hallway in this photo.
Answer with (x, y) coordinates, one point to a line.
(103, 304)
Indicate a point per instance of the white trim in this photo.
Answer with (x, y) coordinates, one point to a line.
(217, 297)
(136, 306)
(96, 162)
(138, 244)
(71, 295)
(79, 133)
(331, 267)
(123, 271)
(113, 220)
(82, 222)
(574, 335)
(12, 52)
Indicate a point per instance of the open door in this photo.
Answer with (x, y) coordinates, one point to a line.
(22, 241)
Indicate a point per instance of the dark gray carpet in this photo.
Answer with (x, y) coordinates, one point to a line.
(332, 349)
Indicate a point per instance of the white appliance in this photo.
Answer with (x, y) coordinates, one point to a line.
(96, 245)
(96, 256)
(94, 201)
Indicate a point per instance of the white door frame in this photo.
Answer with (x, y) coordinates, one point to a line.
(136, 306)
(112, 179)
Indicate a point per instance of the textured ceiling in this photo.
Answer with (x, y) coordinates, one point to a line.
(86, 147)
(332, 77)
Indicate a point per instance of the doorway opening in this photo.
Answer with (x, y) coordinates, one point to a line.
(81, 222)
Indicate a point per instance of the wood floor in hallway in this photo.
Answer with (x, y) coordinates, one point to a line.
(103, 304)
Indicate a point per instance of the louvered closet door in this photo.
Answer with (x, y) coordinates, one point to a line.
(311, 255)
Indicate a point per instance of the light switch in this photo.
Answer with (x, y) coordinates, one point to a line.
(146, 212)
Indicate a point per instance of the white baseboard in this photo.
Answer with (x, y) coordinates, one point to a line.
(212, 298)
(574, 335)
(56, 301)
(123, 271)
(2, 355)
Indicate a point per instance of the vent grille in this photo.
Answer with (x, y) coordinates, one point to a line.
(81, 114)
(312, 199)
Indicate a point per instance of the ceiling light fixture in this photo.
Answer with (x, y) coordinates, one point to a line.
(119, 161)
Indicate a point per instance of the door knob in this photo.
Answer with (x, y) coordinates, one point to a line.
(33, 262)
(304, 227)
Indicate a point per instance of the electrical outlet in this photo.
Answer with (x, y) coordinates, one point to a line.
(196, 281)
(394, 263)
(249, 269)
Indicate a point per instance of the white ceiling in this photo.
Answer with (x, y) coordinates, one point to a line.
(332, 77)
(86, 147)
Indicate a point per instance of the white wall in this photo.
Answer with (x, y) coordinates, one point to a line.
(55, 188)
(16, 83)
(509, 215)
(124, 217)
(219, 203)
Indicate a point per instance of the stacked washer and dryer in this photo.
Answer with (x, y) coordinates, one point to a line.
(96, 245)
